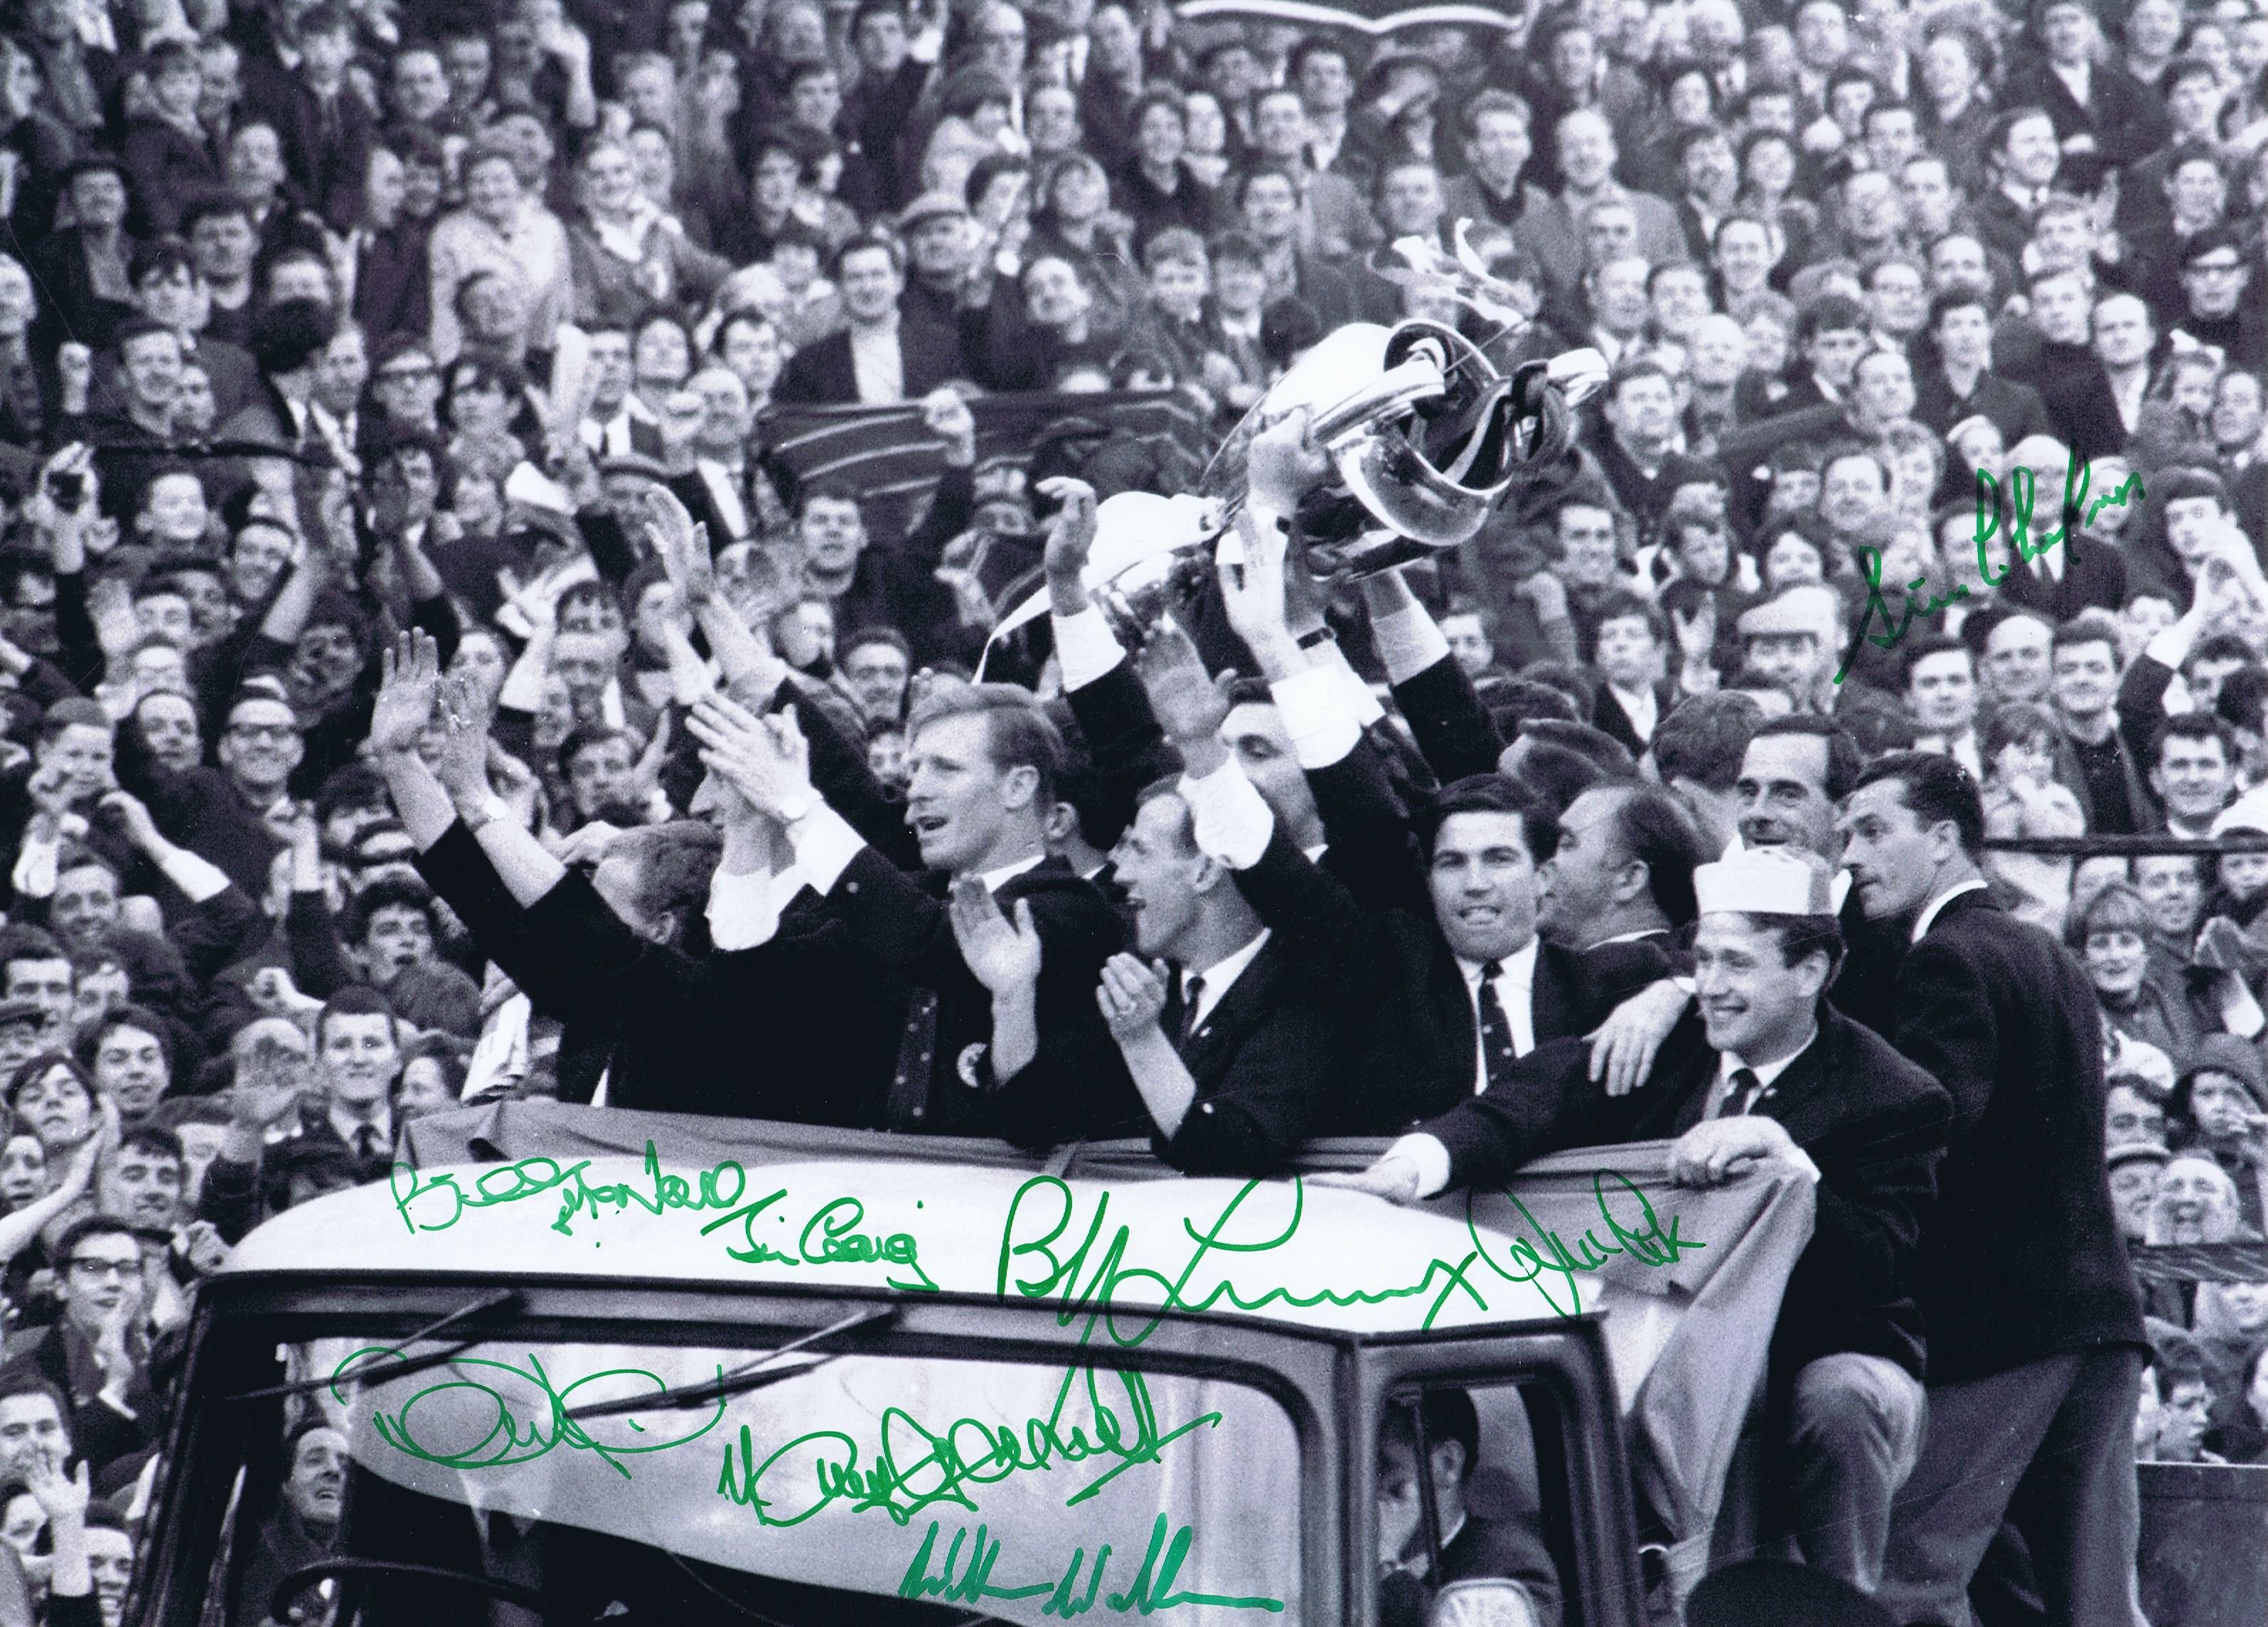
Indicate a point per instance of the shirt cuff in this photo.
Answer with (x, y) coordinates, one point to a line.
(1356, 695)
(1085, 646)
(743, 911)
(2169, 647)
(1431, 1157)
(200, 879)
(1313, 704)
(824, 845)
(1409, 641)
(34, 875)
(1228, 819)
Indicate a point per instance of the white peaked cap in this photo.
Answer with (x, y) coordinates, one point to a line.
(1785, 882)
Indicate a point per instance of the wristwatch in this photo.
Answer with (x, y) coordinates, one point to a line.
(488, 807)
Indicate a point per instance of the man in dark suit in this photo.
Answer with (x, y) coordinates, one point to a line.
(1622, 872)
(2066, 571)
(76, 302)
(877, 360)
(2104, 118)
(1002, 1035)
(1228, 1046)
(2035, 1325)
(1766, 1069)
(1961, 383)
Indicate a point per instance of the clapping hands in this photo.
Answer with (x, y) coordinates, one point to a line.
(1001, 954)
(766, 759)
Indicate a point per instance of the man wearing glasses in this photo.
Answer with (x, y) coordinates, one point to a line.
(232, 816)
(2215, 276)
(97, 1354)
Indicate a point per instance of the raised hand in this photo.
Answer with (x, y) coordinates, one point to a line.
(1183, 698)
(462, 767)
(681, 544)
(765, 759)
(133, 813)
(204, 1247)
(1132, 996)
(1071, 538)
(1282, 464)
(268, 1085)
(409, 679)
(64, 1498)
(1251, 563)
(1001, 954)
(946, 416)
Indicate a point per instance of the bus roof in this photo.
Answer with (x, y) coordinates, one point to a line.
(1290, 1252)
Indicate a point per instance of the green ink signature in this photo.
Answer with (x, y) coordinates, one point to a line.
(1529, 1261)
(1151, 1591)
(512, 1438)
(531, 1177)
(2022, 494)
(838, 1244)
(916, 1467)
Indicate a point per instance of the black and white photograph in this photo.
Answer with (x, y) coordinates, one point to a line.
(1276, 813)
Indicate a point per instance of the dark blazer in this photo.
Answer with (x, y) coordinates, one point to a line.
(895, 582)
(1609, 716)
(2017, 408)
(169, 167)
(2070, 379)
(1874, 1121)
(1411, 1040)
(2125, 119)
(1077, 1086)
(822, 374)
(2093, 577)
(2024, 1259)
(69, 309)
(1265, 1064)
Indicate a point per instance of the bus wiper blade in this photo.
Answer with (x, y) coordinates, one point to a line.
(502, 1299)
(755, 1375)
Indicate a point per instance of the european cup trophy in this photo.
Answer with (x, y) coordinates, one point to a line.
(1422, 433)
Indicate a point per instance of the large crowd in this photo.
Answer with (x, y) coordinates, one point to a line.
(421, 683)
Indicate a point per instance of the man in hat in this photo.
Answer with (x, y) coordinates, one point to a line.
(1766, 1068)
(83, 271)
(2035, 1330)
(1794, 641)
(940, 240)
(23, 1031)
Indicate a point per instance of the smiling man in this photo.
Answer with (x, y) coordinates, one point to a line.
(97, 1352)
(1765, 1068)
(305, 1527)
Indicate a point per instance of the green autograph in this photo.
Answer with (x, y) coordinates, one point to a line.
(1151, 1590)
(916, 1467)
(529, 1416)
(2023, 488)
(1641, 1238)
(532, 1177)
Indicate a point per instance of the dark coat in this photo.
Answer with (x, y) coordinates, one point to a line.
(1265, 1062)
(822, 374)
(895, 583)
(169, 167)
(1412, 1039)
(68, 306)
(2093, 577)
(2017, 408)
(2024, 1259)
(2070, 379)
(1873, 1123)
(1078, 1085)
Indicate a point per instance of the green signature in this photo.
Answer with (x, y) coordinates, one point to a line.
(837, 1241)
(969, 1580)
(2022, 489)
(916, 1467)
(1642, 1239)
(530, 1415)
(532, 1177)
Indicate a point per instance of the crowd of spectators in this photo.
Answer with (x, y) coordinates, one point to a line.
(421, 683)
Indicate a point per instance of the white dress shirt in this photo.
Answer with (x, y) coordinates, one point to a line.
(878, 363)
(1218, 979)
(1929, 911)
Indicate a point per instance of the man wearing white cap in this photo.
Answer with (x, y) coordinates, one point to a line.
(1766, 1068)
(1795, 640)
(2035, 1341)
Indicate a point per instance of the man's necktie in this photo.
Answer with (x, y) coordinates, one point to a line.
(908, 1102)
(1187, 1025)
(365, 1142)
(1496, 1054)
(1740, 1099)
